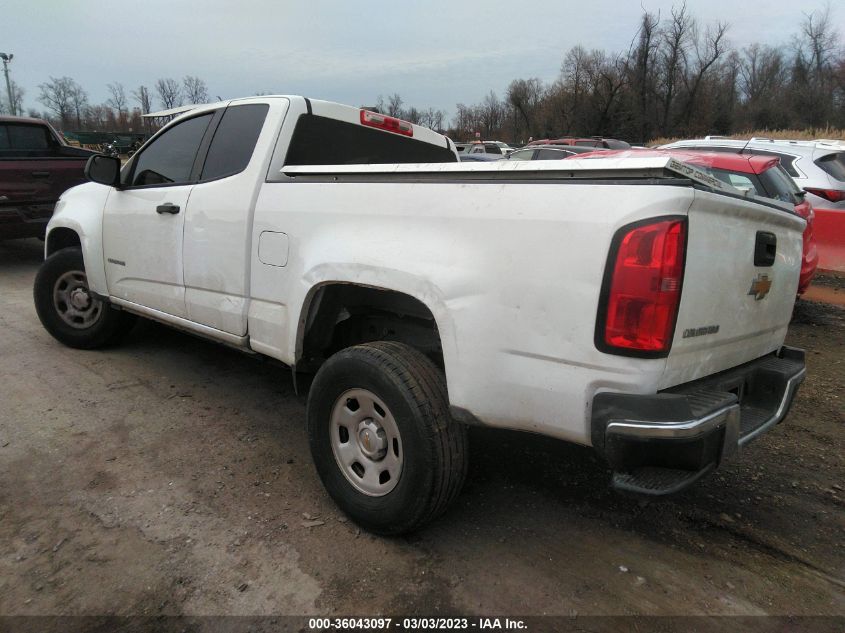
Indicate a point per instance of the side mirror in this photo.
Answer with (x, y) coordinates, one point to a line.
(103, 169)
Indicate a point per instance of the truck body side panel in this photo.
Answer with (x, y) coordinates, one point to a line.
(511, 273)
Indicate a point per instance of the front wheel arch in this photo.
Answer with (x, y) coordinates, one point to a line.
(61, 238)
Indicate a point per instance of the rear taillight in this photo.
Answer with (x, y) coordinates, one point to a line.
(641, 296)
(831, 195)
(384, 122)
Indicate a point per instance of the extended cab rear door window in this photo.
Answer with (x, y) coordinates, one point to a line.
(169, 159)
(234, 140)
(323, 141)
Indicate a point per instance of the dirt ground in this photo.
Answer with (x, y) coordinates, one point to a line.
(172, 476)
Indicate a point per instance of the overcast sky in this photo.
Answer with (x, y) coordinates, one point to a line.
(434, 53)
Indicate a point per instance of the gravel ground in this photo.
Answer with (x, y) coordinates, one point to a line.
(172, 476)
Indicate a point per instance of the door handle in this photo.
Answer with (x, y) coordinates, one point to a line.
(765, 248)
(40, 174)
(168, 207)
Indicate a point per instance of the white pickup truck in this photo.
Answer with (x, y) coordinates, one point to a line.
(633, 305)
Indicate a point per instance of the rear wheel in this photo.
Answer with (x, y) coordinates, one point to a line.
(67, 308)
(382, 438)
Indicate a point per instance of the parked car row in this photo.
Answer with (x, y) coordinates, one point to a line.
(494, 148)
(808, 174)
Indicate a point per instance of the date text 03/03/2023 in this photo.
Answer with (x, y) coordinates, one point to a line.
(414, 624)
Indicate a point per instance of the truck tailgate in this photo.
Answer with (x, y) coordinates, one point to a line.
(734, 309)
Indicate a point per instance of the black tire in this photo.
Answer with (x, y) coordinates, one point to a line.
(106, 329)
(434, 446)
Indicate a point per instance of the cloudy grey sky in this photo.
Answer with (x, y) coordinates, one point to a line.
(434, 53)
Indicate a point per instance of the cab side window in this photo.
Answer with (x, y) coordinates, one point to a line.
(523, 154)
(169, 159)
(25, 139)
(234, 140)
(552, 154)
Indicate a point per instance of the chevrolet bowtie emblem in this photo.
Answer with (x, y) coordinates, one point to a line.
(760, 287)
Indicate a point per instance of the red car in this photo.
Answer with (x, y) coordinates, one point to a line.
(763, 174)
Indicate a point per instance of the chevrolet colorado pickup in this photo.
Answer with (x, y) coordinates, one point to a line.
(36, 166)
(635, 305)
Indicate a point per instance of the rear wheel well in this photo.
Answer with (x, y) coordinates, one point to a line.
(60, 238)
(341, 315)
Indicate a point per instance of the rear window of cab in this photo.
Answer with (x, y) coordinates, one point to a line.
(320, 140)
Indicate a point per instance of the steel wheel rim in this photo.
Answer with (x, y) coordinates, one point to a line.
(366, 443)
(73, 302)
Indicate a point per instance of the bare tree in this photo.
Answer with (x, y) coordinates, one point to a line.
(761, 71)
(574, 78)
(819, 40)
(142, 96)
(97, 117)
(169, 93)
(607, 79)
(524, 96)
(707, 53)
(16, 107)
(58, 96)
(79, 100)
(432, 118)
(17, 98)
(117, 100)
(673, 59)
(394, 105)
(195, 89)
(816, 48)
(492, 114)
(641, 72)
(762, 83)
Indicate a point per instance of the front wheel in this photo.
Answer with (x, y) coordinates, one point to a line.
(382, 438)
(68, 310)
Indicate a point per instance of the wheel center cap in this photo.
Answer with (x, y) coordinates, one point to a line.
(372, 439)
(80, 299)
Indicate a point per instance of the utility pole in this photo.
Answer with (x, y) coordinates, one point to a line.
(6, 59)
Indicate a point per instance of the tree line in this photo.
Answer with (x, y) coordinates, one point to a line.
(69, 107)
(678, 78)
